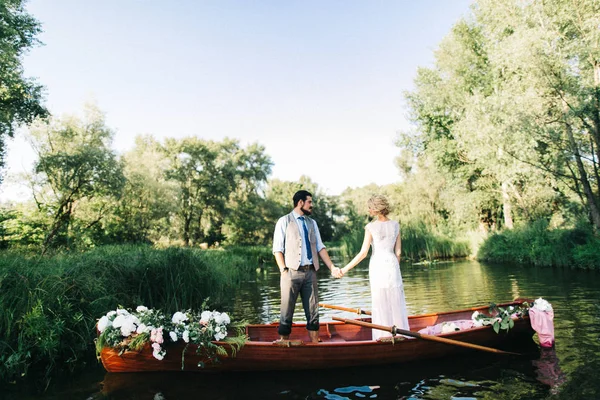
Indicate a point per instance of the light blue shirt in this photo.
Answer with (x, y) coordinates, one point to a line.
(279, 237)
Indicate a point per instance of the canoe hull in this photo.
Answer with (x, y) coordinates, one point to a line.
(342, 346)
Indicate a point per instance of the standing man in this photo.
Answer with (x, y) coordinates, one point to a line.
(297, 246)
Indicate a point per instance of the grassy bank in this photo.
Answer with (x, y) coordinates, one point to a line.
(49, 305)
(538, 245)
(418, 244)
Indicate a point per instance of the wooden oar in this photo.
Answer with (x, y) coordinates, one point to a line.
(393, 330)
(354, 310)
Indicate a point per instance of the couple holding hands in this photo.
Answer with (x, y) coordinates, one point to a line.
(297, 246)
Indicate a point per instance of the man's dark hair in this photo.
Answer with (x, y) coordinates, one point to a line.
(301, 195)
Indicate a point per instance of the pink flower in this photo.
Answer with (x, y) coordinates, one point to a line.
(158, 352)
(156, 335)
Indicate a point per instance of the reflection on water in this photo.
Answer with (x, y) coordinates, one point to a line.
(548, 369)
(575, 296)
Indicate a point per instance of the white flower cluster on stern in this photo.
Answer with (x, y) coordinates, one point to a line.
(542, 305)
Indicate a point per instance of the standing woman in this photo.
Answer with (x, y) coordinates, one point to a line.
(388, 305)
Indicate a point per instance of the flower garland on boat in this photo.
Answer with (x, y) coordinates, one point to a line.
(499, 317)
(503, 318)
(125, 330)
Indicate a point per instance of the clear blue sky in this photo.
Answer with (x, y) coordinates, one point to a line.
(318, 83)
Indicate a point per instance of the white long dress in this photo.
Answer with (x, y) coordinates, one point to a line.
(388, 305)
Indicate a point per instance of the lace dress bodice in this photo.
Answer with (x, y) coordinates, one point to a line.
(384, 236)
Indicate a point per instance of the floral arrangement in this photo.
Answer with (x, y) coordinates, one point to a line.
(132, 330)
(500, 318)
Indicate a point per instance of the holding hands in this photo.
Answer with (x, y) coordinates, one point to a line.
(336, 272)
(339, 272)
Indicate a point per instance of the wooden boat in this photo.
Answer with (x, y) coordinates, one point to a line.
(342, 345)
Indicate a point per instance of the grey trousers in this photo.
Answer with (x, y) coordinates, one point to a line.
(303, 283)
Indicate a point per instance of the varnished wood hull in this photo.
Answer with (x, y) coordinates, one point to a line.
(342, 345)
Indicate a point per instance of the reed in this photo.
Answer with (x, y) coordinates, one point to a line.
(256, 256)
(49, 305)
(536, 244)
(418, 243)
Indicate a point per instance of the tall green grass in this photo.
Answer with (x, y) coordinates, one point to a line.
(536, 244)
(256, 255)
(418, 244)
(49, 305)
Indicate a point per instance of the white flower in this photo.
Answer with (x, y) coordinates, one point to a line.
(110, 313)
(141, 309)
(128, 327)
(122, 311)
(478, 323)
(179, 317)
(186, 336)
(220, 335)
(221, 318)
(205, 316)
(475, 315)
(104, 323)
(143, 328)
(173, 336)
(118, 321)
(542, 305)
(225, 318)
(448, 327)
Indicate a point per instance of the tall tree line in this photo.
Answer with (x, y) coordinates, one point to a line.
(187, 191)
(509, 116)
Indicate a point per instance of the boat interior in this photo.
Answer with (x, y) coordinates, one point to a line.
(337, 331)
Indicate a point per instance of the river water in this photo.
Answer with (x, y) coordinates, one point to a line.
(572, 365)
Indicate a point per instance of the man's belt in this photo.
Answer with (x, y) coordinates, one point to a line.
(304, 268)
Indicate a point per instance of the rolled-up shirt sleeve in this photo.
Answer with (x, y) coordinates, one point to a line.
(320, 245)
(279, 236)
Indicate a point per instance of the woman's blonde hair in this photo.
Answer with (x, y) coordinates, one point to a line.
(379, 204)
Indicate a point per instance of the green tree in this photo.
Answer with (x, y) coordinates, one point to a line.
(148, 203)
(75, 165)
(508, 114)
(248, 211)
(549, 56)
(20, 97)
(326, 208)
(209, 176)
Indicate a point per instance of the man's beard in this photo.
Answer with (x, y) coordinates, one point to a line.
(305, 211)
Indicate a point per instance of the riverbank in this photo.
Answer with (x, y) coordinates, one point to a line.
(50, 304)
(538, 245)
